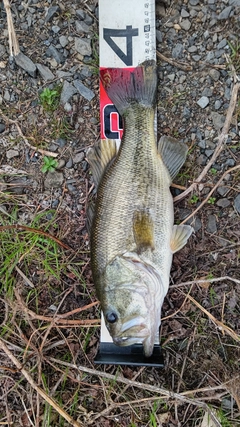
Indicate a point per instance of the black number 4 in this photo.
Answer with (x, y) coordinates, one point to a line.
(129, 33)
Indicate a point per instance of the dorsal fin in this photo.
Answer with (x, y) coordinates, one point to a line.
(100, 156)
(143, 229)
(173, 154)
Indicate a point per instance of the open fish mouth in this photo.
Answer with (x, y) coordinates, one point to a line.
(133, 331)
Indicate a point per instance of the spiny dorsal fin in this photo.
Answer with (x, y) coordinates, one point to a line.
(173, 154)
(180, 235)
(143, 229)
(100, 156)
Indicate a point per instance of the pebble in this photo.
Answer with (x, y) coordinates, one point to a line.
(217, 104)
(237, 203)
(185, 24)
(52, 11)
(223, 203)
(218, 120)
(177, 50)
(52, 51)
(78, 158)
(2, 127)
(203, 102)
(83, 46)
(83, 90)
(214, 74)
(45, 72)
(184, 13)
(12, 153)
(68, 90)
(53, 180)
(225, 13)
(82, 27)
(222, 190)
(26, 64)
(212, 224)
(63, 40)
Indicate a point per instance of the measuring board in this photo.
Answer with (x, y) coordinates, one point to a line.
(127, 37)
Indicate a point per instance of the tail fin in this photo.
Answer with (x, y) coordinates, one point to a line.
(126, 88)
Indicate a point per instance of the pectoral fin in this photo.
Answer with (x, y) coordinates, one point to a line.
(100, 156)
(173, 154)
(143, 229)
(180, 235)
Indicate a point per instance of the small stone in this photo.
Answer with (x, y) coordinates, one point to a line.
(56, 29)
(52, 11)
(69, 163)
(2, 50)
(83, 46)
(237, 203)
(218, 120)
(61, 164)
(2, 127)
(230, 162)
(192, 49)
(214, 74)
(203, 102)
(68, 91)
(222, 44)
(26, 64)
(45, 72)
(61, 142)
(12, 153)
(81, 14)
(223, 203)
(63, 41)
(209, 153)
(52, 51)
(217, 104)
(212, 224)
(184, 13)
(222, 190)
(159, 36)
(194, 2)
(82, 27)
(78, 158)
(225, 13)
(53, 180)
(197, 224)
(83, 90)
(207, 92)
(185, 24)
(177, 51)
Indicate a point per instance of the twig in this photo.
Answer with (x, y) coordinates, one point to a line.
(200, 281)
(211, 192)
(24, 277)
(39, 390)
(171, 61)
(221, 140)
(220, 325)
(12, 38)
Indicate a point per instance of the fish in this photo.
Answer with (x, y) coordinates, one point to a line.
(133, 236)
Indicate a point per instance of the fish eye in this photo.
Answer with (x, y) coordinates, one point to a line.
(111, 317)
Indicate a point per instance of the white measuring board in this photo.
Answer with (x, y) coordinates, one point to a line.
(127, 37)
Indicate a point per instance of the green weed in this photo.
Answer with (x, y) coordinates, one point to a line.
(50, 164)
(235, 54)
(49, 98)
(212, 200)
(194, 199)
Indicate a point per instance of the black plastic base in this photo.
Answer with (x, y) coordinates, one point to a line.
(110, 354)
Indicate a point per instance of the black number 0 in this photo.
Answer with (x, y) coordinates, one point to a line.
(128, 33)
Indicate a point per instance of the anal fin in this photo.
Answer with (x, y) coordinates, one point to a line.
(143, 229)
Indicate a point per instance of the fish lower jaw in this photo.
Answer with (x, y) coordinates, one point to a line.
(126, 341)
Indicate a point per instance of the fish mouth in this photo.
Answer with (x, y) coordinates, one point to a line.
(132, 331)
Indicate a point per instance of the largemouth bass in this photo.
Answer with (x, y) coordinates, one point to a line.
(132, 233)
